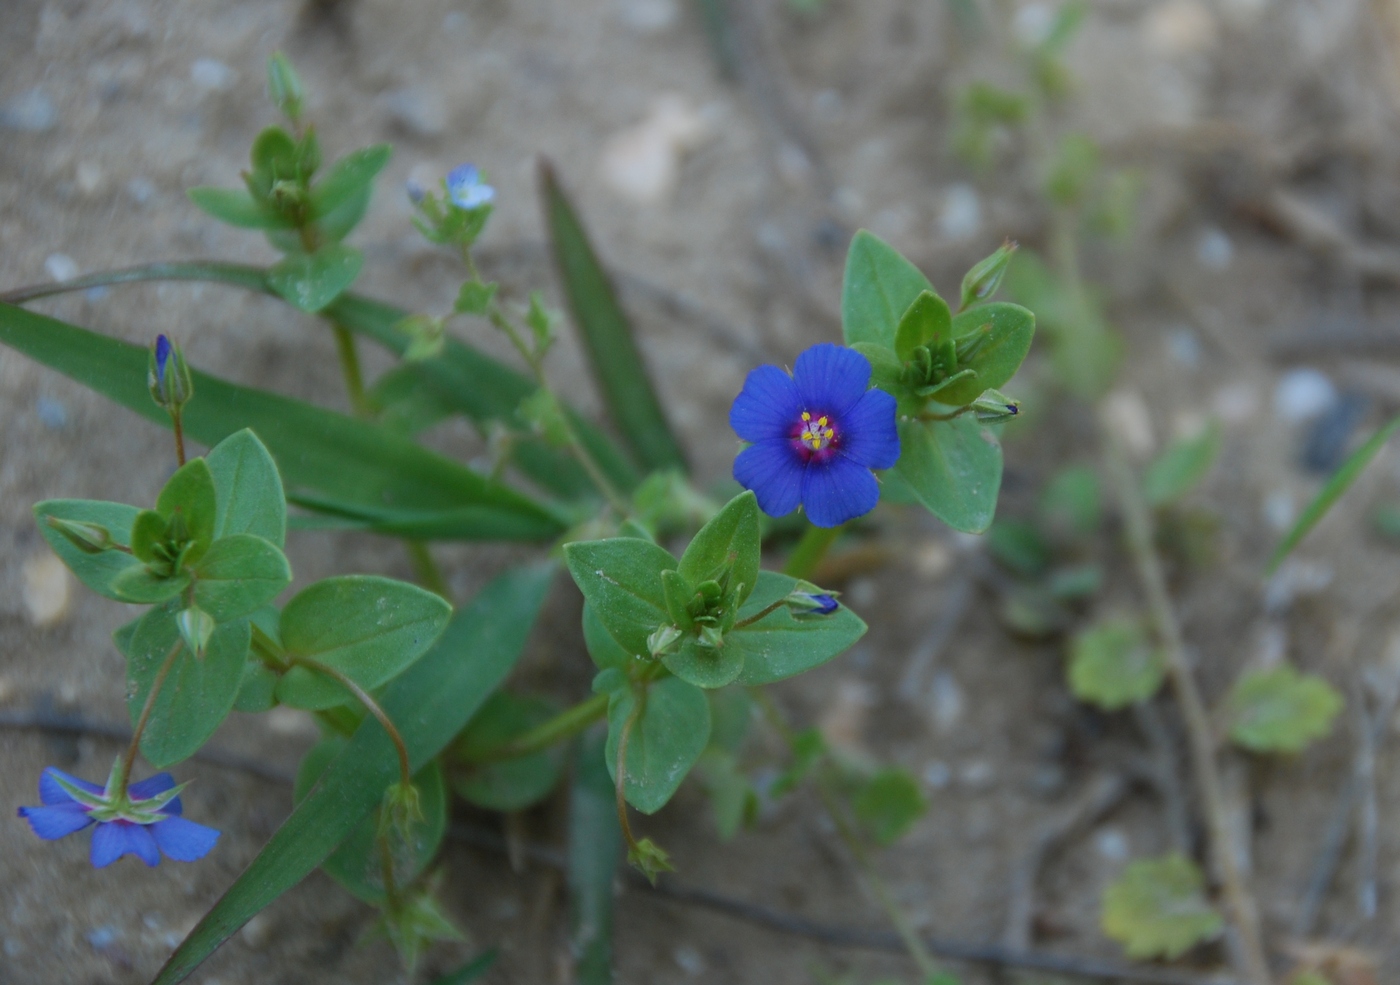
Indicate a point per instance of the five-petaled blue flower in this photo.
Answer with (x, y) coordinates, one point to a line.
(815, 436)
(145, 822)
(466, 189)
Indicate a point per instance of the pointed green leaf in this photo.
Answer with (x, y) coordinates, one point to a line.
(782, 644)
(235, 207)
(430, 704)
(239, 574)
(927, 319)
(953, 468)
(607, 335)
(348, 178)
(96, 571)
(878, 288)
(1008, 331)
(730, 537)
(310, 281)
(196, 694)
(1181, 466)
(248, 489)
(356, 864)
(368, 628)
(1158, 908)
(605, 651)
(1114, 665)
(621, 580)
(664, 742)
(1280, 710)
(140, 586)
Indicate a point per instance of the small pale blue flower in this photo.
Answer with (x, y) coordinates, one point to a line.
(466, 189)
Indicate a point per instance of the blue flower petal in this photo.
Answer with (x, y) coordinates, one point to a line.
(773, 470)
(153, 785)
(51, 793)
(117, 838)
(182, 840)
(831, 378)
(837, 491)
(868, 433)
(466, 189)
(767, 407)
(58, 821)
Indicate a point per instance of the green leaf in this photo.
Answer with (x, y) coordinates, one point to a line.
(1158, 909)
(1020, 546)
(878, 288)
(406, 404)
(664, 743)
(1181, 466)
(356, 864)
(275, 157)
(475, 297)
(471, 971)
(248, 489)
(781, 644)
(235, 207)
(595, 845)
(256, 688)
(338, 223)
(607, 335)
(510, 784)
(927, 319)
(1070, 506)
(605, 651)
(707, 667)
(889, 803)
(386, 479)
(1280, 710)
(238, 574)
(197, 693)
(190, 492)
(96, 571)
(348, 178)
(621, 580)
(430, 703)
(1339, 483)
(731, 536)
(368, 628)
(1114, 665)
(140, 586)
(310, 281)
(1008, 330)
(953, 468)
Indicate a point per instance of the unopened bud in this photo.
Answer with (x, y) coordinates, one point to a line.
(90, 538)
(807, 599)
(168, 376)
(995, 407)
(663, 640)
(425, 337)
(284, 86)
(985, 277)
(401, 810)
(196, 626)
(712, 637)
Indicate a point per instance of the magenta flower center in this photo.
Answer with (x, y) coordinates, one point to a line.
(815, 436)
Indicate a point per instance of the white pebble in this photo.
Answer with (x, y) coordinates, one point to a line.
(1112, 843)
(1236, 403)
(1184, 347)
(141, 190)
(61, 266)
(1214, 250)
(1032, 23)
(1302, 394)
(1279, 509)
(1126, 413)
(1180, 27)
(212, 75)
(88, 176)
(642, 162)
(689, 961)
(47, 589)
(978, 774)
(961, 215)
(937, 774)
(945, 701)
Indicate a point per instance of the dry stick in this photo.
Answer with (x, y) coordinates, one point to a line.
(784, 922)
(1201, 736)
(1101, 796)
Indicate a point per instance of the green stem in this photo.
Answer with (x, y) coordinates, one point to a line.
(371, 705)
(810, 550)
(179, 429)
(760, 614)
(1200, 734)
(129, 757)
(637, 705)
(350, 368)
(564, 725)
(425, 569)
(238, 274)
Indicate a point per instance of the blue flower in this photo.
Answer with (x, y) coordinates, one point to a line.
(466, 189)
(823, 605)
(162, 357)
(815, 436)
(145, 822)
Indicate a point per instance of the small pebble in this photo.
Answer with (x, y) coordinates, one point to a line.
(1180, 27)
(1033, 22)
(1236, 403)
(141, 190)
(422, 112)
(1111, 842)
(47, 589)
(978, 774)
(689, 961)
(961, 215)
(29, 112)
(1126, 413)
(51, 413)
(1214, 250)
(88, 176)
(932, 559)
(60, 266)
(1302, 394)
(101, 937)
(945, 701)
(861, 592)
(648, 16)
(937, 774)
(1184, 347)
(642, 162)
(1297, 578)
(1280, 510)
(212, 75)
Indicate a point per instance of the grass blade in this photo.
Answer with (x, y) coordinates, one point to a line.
(607, 334)
(430, 703)
(317, 450)
(595, 845)
(1339, 483)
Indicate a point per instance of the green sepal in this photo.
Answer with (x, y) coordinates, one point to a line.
(475, 298)
(147, 531)
(1007, 333)
(275, 157)
(677, 594)
(982, 281)
(955, 383)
